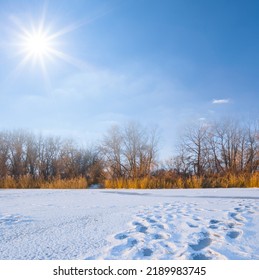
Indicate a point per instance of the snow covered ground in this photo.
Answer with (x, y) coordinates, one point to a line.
(129, 224)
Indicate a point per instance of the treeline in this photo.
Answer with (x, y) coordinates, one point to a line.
(218, 154)
(31, 161)
(219, 148)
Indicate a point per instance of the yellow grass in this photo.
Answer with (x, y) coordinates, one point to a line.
(253, 181)
(168, 182)
(27, 182)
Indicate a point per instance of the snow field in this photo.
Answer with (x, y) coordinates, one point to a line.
(129, 224)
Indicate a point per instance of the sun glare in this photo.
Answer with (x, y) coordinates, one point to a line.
(37, 45)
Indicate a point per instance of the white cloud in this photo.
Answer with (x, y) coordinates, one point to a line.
(220, 101)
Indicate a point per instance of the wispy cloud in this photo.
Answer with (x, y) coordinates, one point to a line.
(220, 101)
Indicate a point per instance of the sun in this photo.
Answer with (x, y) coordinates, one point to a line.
(37, 44)
(40, 44)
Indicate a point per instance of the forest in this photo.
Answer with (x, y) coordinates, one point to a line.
(219, 154)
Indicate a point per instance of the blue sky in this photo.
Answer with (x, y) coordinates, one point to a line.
(160, 62)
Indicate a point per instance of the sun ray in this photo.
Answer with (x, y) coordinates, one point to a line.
(39, 44)
(78, 24)
(45, 74)
(70, 59)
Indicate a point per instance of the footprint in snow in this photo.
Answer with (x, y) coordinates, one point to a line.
(142, 229)
(192, 225)
(213, 221)
(200, 256)
(121, 236)
(146, 252)
(152, 221)
(132, 242)
(158, 236)
(231, 225)
(214, 224)
(203, 242)
(233, 234)
(120, 249)
(237, 217)
(159, 226)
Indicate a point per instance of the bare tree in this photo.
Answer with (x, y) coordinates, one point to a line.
(17, 153)
(194, 149)
(221, 147)
(4, 151)
(129, 151)
(112, 150)
(250, 153)
(31, 155)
